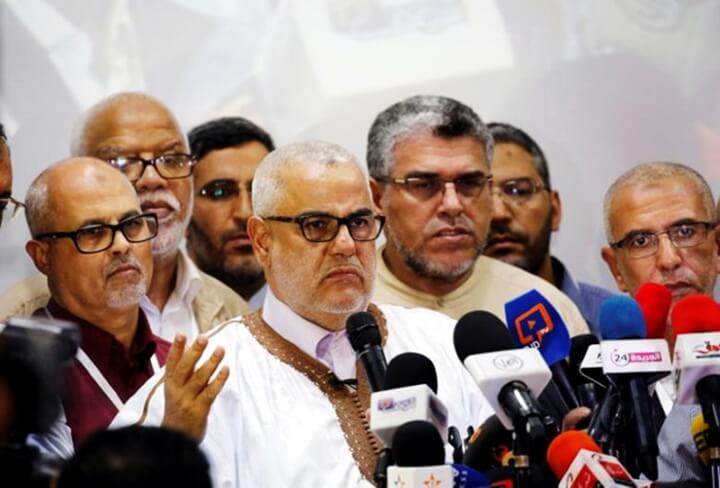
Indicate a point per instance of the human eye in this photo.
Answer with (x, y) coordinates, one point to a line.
(94, 233)
(640, 241)
(361, 222)
(684, 232)
(173, 160)
(219, 191)
(133, 226)
(518, 188)
(316, 224)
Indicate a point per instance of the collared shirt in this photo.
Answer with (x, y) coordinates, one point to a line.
(587, 297)
(86, 406)
(490, 286)
(257, 299)
(331, 348)
(177, 315)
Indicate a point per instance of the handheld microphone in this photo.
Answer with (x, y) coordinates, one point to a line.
(631, 364)
(588, 390)
(364, 336)
(655, 301)
(699, 432)
(488, 446)
(534, 322)
(577, 461)
(419, 455)
(409, 394)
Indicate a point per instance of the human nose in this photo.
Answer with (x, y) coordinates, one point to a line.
(501, 208)
(150, 179)
(242, 205)
(344, 243)
(120, 243)
(450, 199)
(668, 254)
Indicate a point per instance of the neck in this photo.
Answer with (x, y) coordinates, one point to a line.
(433, 286)
(547, 273)
(121, 323)
(163, 280)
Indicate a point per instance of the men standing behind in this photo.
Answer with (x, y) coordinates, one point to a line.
(429, 159)
(91, 240)
(228, 151)
(138, 135)
(526, 210)
(286, 419)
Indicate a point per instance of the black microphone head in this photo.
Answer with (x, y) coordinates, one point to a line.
(409, 369)
(417, 443)
(480, 332)
(578, 349)
(362, 330)
(488, 444)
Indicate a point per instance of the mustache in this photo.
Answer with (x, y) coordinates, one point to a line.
(503, 228)
(240, 228)
(460, 221)
(164, 196)
(122, 260)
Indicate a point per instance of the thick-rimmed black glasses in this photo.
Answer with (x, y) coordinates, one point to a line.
(469, 185)
(171, 166)
(324, 227)
(9, 208)
(683, 235)
(97, 238)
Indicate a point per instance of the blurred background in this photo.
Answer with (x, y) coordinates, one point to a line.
(600, 85)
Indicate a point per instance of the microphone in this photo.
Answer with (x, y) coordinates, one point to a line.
(631, 363)
(588, 389)
(409, 394)
(364, 336)
(699, 431)
(419, 457)
(534, 322)
(510, 379)
(488, 445)
(655, 301)
(577, 461)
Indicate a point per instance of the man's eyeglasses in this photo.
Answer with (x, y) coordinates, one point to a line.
(683, 235)
(324, 228)
(9, 208)
(518, 190)
(224, 189)
(426, 187)
(170, 166)
(97, 238)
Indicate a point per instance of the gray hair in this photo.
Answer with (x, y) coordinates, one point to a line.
(504, 133)
(648, 173)
(37, 205)
(444, 117)
(268, 184)
(77, 143)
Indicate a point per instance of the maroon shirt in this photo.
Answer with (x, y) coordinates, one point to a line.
(86, 406)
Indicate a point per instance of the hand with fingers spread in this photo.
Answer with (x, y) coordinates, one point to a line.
(189, 393)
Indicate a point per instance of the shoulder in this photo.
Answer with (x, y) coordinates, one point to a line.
(231, 301)
(399, 316)
(24, 297)
(593, 291)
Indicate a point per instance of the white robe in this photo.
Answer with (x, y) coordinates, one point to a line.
(271, 426)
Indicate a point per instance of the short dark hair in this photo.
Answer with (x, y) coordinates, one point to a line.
(2, 133)
(504, 133)
(139, 457)
(226, 132)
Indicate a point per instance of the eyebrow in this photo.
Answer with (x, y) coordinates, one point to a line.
(111, 151)
(637, 232)
(361, 212)
(97, 221)
(426, 174)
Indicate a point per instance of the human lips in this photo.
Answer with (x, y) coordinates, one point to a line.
(160, 208)
(680, 288)
(452, 233)
(240, 239)
(503, 241)
(343, 273)
(124, 268)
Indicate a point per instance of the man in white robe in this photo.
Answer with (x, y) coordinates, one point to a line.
(283, 418)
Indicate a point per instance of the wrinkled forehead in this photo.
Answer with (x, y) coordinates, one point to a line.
(132, 126)
(338, 189)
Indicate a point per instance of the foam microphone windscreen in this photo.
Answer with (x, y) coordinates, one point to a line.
(695, 314)
(564, 448)
(655, 301)
(479, 332)
(416, 444)
(621, 318)
(362, 330)
(409, 369)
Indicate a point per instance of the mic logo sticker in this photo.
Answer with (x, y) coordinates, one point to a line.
(707, 350)
(532, 325)
(508, 362)
(432, 481)
(624, 358)
(390, 405)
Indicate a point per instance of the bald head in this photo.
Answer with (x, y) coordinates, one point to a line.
(111, 115)
(66, 181)
(649, 175)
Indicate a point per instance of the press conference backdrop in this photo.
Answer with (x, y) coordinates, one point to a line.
(601, 85)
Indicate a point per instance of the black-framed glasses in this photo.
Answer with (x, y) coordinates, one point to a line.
(518, 190)
(99, 237)
(682, 235)
(324, 227)
(171, 166)
(219, 190)
(9, 208)
(469, 185)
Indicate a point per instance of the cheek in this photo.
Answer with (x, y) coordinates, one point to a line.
(212, 220)
(182, 189)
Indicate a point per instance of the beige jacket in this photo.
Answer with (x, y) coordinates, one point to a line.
(215, 302)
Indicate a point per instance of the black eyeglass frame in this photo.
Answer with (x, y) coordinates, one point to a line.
(192, 161)
(113, 227)
(620, 244)
(300, 219)
(485, 180)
